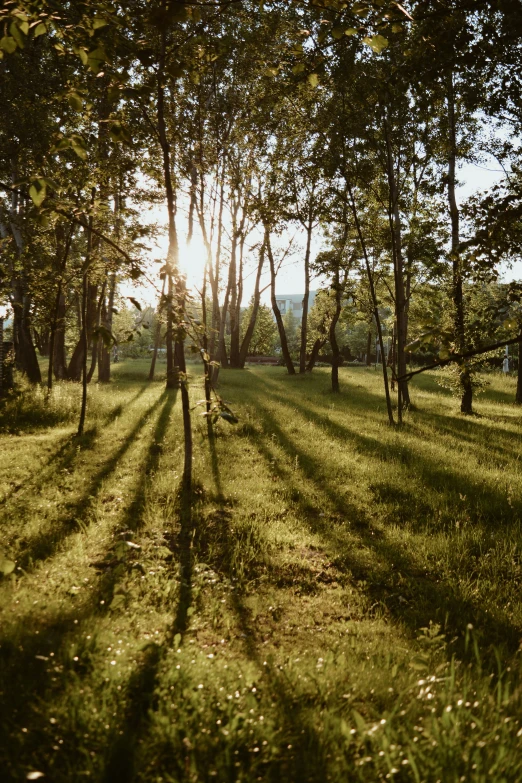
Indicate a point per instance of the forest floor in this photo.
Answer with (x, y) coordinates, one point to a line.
(353, 591)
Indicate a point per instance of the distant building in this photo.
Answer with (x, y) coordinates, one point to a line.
(294, 303)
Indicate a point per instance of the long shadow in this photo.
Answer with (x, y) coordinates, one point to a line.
(38, 661)
(67, 450)
(433, 474)
(427, 597)
(21, 643)
(133, 518)
(46, 542)
(307, 761)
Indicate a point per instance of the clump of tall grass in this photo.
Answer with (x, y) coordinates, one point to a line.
(29, 406)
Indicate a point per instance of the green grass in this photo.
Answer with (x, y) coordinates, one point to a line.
(355, 608)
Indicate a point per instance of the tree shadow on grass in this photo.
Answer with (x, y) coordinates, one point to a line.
(38, 662)
(390, 575)
(26, 685)
(434, 476)
(66, 452)
(306, 760)
(51, 535)
(133, 517)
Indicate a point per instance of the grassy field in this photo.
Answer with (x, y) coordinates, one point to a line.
(355, 605)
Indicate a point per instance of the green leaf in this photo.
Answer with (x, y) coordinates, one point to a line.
(313, 80)
(299, 68)
(119, 133)
(177, 640)
(8, 44)
(75, 101)
(37, 192)
(350, 31)
(40, 29)
(376, 43)
(17, 35)
(134, 302)
(78, 145)
(95, 59)
(6, 566)
(337, 33)
(97, 23)
(105, 334)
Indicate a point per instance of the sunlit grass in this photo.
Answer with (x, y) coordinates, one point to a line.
(355, 610)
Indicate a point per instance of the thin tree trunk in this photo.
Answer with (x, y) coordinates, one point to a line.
(59, 305)
(277, 313)
(314, 354)
(518, 398)
(59, 358)
(398, 268)
(466, 403)
(94, 353)
(180, 302)
(245, 345)
(173, 249)
(85, 283)
(336, 356)
(306, 297)
(374, 302)
(104, 366)
(157, 339)
(369, 348)
(205, 355)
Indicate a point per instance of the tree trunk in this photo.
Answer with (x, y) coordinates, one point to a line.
(518, 398)
(245, 345)
(42, 339)
(57, 335)
(104, 366)
(314, 354)
(374, 302)
(306, 297)
(398, 268)
(74, 371)
(96, 339)
(25, 354)
(84, 338)
(207, 368)
(58, 353)
(466, 403)
(157, 339)
(277, 313)
(369, 348)
(232, 282)
(336, 355)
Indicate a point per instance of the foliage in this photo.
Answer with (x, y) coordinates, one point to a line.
(265, 338)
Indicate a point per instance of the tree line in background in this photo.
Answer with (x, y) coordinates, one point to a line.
(254, 121)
